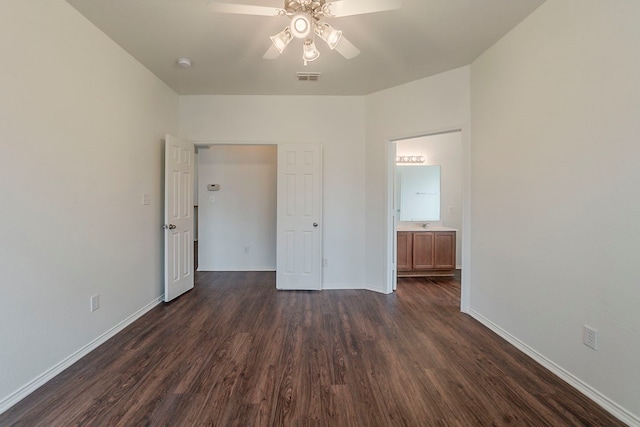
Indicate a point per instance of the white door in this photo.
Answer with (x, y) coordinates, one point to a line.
(299, 229)
(178, 217)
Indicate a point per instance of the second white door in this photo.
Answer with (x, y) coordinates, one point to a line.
(299, 218)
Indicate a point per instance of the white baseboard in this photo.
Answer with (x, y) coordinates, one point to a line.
(46, 376)
(379, 289)
(342, 286)
(612, 407)
(201, 268)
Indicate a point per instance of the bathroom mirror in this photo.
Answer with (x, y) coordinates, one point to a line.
(418, 192)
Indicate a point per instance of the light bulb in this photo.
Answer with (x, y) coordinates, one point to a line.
(301, 25)
(309, 51)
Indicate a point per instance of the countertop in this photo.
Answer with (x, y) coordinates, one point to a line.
(419, 228)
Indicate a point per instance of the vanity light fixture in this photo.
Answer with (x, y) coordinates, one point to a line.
(410, 159)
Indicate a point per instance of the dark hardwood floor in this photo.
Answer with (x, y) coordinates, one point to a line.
(236, 352)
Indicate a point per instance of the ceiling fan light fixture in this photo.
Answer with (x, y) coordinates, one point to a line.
(301, 25)
(309, 51)
(329, 34)
(282, 39)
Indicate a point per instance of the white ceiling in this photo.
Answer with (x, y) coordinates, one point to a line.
(422, 38)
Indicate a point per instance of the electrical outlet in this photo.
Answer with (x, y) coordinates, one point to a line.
(246, 249)
(590, 337)
(325, 262)
(95, 302)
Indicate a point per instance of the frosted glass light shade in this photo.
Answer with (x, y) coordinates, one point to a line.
(309, 51)
(282, 39)
(329, 34)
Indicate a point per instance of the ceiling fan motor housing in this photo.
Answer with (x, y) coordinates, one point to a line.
(315, 8)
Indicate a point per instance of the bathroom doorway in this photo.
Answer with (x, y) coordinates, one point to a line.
(455, 208)
(443, 150)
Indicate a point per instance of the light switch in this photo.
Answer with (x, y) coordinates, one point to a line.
(146, 198)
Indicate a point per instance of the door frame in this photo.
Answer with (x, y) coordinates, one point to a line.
(204, 144)
(391, 215)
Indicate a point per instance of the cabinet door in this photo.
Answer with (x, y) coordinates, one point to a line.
(423, 250)
(404, 245)
(445, 250)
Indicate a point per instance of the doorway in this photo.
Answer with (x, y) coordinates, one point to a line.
(443, 150)
(259, 209)
(449, 149)
(237, 195)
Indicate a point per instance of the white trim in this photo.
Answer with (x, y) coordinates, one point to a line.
(237, 268)
(465, 279)
(343, 286)
(378, 289)
(50, 373)
(593, 394)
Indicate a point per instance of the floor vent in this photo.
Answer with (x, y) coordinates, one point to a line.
(307, 77)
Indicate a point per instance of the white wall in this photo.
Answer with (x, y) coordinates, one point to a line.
(425, 106)
(81, 124)
(238, 222)
(556, 236)
(443, 149)
(335, 122)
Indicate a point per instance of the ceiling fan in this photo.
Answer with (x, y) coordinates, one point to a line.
(307, 21)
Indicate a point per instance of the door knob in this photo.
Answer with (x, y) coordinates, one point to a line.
(315, 224)
(169, 226)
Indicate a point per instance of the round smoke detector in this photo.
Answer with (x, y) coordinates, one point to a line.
(184, 63)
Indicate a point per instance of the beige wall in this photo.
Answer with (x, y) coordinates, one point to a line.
(81, 128)
(337, 123)
(419, 108)
(555, 207)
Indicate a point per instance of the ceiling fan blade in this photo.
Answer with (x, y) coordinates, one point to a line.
(245, 9)
(347, 49)
(340, 8)
(272, 52)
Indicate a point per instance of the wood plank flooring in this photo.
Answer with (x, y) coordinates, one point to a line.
(236, 352)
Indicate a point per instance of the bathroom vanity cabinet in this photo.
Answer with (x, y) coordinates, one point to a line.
(426, 253)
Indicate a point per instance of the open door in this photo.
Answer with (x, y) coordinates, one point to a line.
(178, 217)
(299, 222)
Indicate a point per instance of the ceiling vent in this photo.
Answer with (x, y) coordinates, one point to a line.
(307, 77)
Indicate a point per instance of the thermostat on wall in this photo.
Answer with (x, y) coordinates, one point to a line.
(213, 187)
